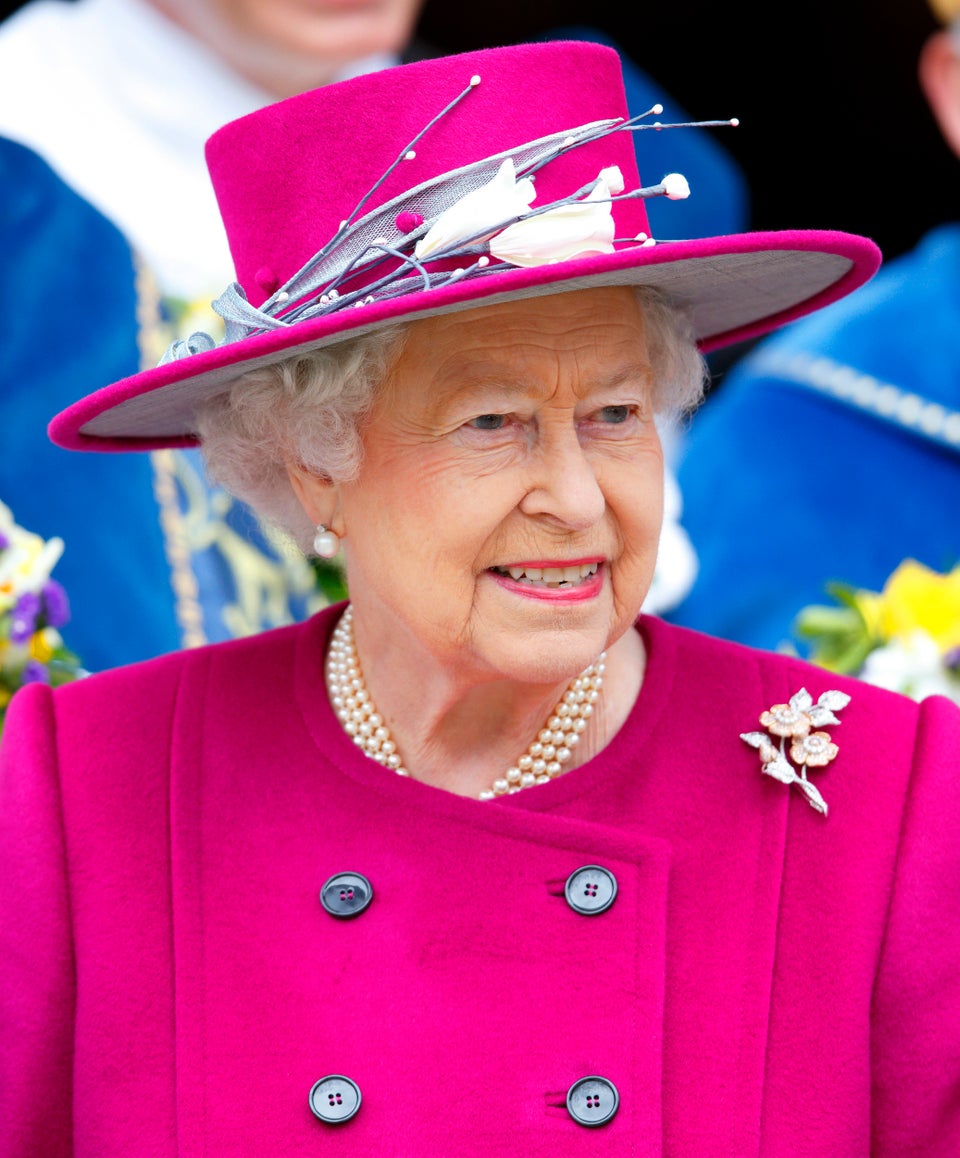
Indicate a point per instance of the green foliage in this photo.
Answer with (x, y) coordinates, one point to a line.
(330, 579)
(838, 637)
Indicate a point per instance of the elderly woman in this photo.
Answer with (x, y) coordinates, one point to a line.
(486, 861)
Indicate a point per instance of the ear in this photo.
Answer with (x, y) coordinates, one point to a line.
(318, 495)
(939, 74)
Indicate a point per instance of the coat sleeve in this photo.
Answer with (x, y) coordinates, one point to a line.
(37, 985)
(916, 1006)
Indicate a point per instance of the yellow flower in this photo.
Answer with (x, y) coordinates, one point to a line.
(916, 597)
(42, 644)
(870, 606)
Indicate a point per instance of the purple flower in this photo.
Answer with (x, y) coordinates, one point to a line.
(23, 618)
(35, 673)
(4, 541)
(56, 605)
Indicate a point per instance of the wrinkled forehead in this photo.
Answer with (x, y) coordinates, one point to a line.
(581, 320)
(585, 340)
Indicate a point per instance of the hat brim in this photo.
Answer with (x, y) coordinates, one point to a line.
(736, 287)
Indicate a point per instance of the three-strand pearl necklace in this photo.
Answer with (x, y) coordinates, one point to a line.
(543, 760)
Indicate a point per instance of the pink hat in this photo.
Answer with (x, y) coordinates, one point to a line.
(439, 186)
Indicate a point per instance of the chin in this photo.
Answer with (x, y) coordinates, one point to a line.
(552, 659)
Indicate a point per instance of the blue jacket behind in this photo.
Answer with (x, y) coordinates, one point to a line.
(831, 452)
(69, 308)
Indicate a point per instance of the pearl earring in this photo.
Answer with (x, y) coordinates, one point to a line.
(326, 543)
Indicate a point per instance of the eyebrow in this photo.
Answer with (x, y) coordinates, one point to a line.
(495, 377)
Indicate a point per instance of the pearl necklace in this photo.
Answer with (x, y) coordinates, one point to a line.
(543, 759)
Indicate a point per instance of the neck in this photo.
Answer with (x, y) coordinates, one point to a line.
(462, 735)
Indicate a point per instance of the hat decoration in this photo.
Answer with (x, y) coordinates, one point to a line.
(439, 222)
(444, 185)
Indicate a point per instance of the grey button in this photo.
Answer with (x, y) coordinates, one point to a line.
(346, 894)
(590, 890)
(592, 1101)
(334, 1099)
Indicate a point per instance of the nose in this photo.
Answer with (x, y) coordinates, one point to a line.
(563, 484)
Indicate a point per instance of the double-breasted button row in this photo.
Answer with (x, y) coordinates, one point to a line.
(589, 890)
(591, 1101)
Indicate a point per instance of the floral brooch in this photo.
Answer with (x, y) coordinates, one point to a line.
(796, 722)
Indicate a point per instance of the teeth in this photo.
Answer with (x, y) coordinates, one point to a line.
(554, 576)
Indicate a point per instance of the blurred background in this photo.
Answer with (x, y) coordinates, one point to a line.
(834, 130)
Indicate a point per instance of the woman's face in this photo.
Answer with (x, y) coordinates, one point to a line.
(507, 511)
(287, 46)
(341, 30)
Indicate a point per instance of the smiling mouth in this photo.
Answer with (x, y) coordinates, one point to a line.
(555, 578)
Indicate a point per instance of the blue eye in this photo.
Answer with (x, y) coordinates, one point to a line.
(488, 422)
(615, 414)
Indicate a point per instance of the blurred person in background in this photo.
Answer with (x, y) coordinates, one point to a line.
(119, 96)
(115, 567)
(832, 451)
(122, 96)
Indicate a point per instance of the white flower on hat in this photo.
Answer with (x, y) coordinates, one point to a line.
(613, 178)
(568, 231)
(675, 187)
(478, 214)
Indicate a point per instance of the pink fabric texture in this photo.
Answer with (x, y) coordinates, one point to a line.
(767, 981)
(286, 176)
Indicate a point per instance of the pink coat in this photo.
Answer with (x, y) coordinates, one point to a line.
(766, 982)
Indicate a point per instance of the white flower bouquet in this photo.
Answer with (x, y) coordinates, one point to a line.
(33, 608)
